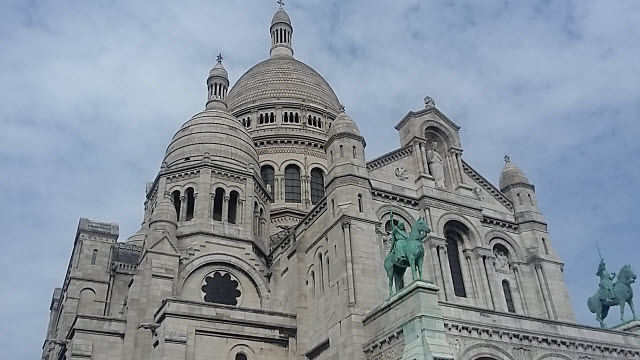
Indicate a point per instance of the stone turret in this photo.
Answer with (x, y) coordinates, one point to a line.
(281, 33)
(516, 186)
(217, 86)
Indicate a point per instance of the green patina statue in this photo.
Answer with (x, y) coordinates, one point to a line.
(406, 251)
(618, 293)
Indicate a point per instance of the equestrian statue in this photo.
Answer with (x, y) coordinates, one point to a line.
(406, 251)
(610, 293)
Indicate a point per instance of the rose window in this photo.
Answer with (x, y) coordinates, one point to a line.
(221, 288)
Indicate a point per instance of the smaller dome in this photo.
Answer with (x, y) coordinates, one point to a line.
(164, 212)
(212, 136)
(511, 175)
(281, 16)
(136, 239)
(219, 70)
(343, 124)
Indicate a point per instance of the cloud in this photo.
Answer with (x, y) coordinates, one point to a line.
(92, 92)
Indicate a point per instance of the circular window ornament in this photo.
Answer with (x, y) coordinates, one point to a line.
(221, 287)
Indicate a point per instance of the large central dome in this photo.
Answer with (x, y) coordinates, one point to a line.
(281, 79)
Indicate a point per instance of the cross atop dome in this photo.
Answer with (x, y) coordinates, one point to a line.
(219, 58)
(281, 3)
(507, 159)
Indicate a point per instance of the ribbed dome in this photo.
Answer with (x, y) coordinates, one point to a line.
(215, 136)
(219, 70)
(278, 79)
(343, 124)
(280, 16)
(511, 175)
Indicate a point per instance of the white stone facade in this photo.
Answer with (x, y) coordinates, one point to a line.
(265, 230)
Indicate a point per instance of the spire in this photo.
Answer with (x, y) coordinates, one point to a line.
(217, 86)
(281, 33)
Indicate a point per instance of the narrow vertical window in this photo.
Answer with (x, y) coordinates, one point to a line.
(321, 272)
(261, 223)
(453, 254)
(341, 151)
(233, 207)
(94, 256)
(191, 203)
(530, 199)
(333, 207)
(317, 185)
(292, 188)
(544, 245)
(313, 283)
(175, 197)
(355, 156)
(519, 198)
(507, 296)
(217, 204)
(268, 174)
(360, 202)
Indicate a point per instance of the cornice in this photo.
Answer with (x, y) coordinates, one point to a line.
(486, 185)
(389, 157)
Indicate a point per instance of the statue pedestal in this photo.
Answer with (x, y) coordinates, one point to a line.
(409, 325)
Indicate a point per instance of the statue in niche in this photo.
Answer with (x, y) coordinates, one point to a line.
(502, 260)
(434, 160)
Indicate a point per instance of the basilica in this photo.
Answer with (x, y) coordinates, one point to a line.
(265, 232)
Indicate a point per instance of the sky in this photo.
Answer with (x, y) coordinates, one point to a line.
(91, 93)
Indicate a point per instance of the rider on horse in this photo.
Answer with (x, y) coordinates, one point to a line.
(400, 237)
(606, 283)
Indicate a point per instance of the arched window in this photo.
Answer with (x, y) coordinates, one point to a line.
(175, 198)
(453, 253)
(272, 118)
(530, 199)
(507, 296)
(267, 173)
(355, 156)
(217, 204)
(256, 218)
(85, 302)
(321, 272)
(292, 189)
(241, 356)
(333, 207)
(519, 198)
(191, 203)
(544, 245)
(360, 202)
(387, 225)
(94, 256)
(261, 223)
(328, 272)
(313, 283)
(286, 117)
(233, 207)
(341, 151)
(317, 185)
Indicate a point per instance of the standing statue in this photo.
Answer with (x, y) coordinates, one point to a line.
(611, 294)
(434, 161)
(406, 251)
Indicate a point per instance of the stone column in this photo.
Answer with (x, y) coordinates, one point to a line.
(183, 208)
(417, 156)
(523, 300)
(480, 283)
(225, 209)
(446, 273)
(423, 155)
(196, 212)
(542, 291)
(491, 275)
(240, 211)
(437, 271)
(346, 229)
(472, 277)
(460, 168)
(485, 281)
(213, 201)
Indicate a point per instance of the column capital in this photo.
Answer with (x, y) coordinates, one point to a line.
(182, 197)
(346, 224)
(483, 252)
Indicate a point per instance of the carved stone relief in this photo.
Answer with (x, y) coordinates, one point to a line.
(401, 173)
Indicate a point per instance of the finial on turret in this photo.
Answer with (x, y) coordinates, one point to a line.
(342, 108)
(219, 58)
(281, 3)
(507, 159)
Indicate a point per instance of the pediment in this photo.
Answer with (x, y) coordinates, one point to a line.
(431, 125)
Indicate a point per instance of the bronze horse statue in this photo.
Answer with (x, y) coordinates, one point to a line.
(600, 303)
(407, 251)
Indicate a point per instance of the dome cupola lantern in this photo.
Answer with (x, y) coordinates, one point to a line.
(281, 33)
(217, 86)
